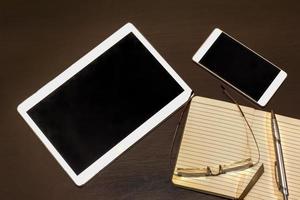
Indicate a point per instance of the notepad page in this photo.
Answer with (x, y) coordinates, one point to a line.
(290, 138)
(266, 187)
(216, 133)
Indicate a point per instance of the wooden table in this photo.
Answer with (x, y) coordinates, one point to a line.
(38, 40)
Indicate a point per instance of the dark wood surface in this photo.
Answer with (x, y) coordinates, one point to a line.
(38, 40)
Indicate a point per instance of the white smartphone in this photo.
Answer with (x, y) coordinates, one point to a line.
(240, 67)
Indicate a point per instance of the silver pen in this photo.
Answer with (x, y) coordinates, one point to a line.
(283, 187)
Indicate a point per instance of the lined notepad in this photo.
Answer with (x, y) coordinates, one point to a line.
(215, 133)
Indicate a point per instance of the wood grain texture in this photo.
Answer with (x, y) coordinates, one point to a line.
(38, 40)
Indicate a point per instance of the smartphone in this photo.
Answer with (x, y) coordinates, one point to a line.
(240, 67)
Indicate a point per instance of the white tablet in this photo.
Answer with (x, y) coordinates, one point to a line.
(105, 102)
(240, 67)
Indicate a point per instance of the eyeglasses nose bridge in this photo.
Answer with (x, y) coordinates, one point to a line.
(210, 172)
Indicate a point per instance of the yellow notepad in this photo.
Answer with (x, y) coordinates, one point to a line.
(214, 134)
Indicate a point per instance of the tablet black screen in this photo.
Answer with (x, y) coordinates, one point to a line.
(104, 102)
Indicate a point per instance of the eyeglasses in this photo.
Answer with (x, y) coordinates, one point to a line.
(209, 171)
(219, 169)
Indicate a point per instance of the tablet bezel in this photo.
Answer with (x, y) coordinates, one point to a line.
(134, 136)
(268, 93)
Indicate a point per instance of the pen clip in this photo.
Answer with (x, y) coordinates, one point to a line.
(276, 136)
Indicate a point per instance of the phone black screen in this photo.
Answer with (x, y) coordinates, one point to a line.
(104, 102)
(239, 66)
